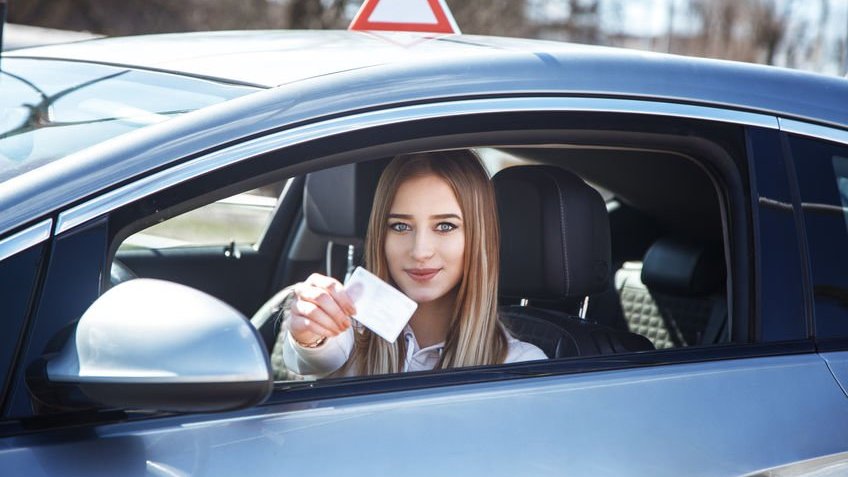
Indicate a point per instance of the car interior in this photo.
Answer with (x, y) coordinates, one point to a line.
(604, 249)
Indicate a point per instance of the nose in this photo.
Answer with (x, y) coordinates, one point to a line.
(422, 246)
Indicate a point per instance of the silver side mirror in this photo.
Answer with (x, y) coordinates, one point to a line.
(156, 345)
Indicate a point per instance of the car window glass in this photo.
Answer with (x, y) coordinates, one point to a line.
(18, 274)
(840, 170)
(53, 108)
(822, 170)
(240, 219)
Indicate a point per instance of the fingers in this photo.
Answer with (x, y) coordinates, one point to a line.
(309, 322)
(335, 289)
(321, 306)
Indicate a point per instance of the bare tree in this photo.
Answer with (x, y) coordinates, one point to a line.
(745, 30)
(115, 17)
(492, 17)
(581, 22)
(317, 14)
(765, 31)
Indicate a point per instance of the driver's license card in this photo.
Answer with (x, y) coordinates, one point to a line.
(380, 307)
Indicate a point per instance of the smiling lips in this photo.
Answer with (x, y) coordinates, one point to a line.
(422, 274)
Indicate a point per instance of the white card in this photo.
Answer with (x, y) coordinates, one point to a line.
(382, 308)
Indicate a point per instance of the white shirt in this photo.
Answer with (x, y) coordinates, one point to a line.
(335, 351)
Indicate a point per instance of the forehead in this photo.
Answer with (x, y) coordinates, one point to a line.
(425, 195)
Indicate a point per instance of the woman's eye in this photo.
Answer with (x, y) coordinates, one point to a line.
(399, 227)
(445, 227)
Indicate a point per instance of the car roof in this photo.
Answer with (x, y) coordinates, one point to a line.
(378, 70)
(271, 58)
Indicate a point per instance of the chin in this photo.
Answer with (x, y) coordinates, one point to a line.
(420, 296)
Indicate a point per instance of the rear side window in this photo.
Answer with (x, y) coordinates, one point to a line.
(822, 170)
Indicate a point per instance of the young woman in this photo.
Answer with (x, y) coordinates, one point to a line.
(433, 234)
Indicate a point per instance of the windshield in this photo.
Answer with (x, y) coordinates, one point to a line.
(51, 108)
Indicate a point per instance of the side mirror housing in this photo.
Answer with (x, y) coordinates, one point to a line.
(156, 345)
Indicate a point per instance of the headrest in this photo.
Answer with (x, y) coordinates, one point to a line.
(555, 240)
(681, 268)
(337, 201)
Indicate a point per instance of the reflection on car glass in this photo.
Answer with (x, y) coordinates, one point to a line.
(56, 108)
(840, 169)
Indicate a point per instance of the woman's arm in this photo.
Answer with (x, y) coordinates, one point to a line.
(320, 360)
(317, 337)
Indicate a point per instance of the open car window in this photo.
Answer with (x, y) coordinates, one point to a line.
(668, 281)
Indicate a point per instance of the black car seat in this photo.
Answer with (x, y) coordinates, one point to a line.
(555, 253)
(336, 206)
(674, 296)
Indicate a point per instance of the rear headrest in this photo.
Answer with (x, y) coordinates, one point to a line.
(677, 267)
(555, 239)
(337, 202)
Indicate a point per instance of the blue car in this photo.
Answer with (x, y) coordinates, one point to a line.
(675, 239)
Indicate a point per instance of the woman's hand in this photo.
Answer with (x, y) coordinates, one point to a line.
(320, 309)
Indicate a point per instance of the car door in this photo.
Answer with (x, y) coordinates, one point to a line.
(819, 157)
(760, 400)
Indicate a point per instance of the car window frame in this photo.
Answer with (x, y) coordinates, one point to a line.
(280, 146)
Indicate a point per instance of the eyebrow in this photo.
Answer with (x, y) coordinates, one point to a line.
(437, 216)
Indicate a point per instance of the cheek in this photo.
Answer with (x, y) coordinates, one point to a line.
(393, 248)
(455, 248)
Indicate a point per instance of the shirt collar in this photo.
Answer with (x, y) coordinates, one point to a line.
(412, 342)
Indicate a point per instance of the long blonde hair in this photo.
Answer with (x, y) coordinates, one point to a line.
(475, 336)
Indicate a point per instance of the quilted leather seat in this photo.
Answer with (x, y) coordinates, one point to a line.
(674, 296)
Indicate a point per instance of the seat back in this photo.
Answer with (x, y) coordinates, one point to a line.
(336, 207)
(555, 250)
(674, 296)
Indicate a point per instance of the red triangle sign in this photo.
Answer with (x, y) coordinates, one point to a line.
(426, 16)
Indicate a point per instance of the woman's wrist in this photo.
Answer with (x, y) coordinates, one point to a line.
(313, 343)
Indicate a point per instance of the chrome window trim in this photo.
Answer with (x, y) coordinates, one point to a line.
(149, 185)
(813, 130)
(25, 239)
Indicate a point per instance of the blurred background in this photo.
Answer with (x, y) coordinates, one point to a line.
(805, 34)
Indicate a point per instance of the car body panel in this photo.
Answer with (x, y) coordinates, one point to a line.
(104, 203)
(262, 58)
(538, 68)
(706, 418)
(837, 361)
(459, 62)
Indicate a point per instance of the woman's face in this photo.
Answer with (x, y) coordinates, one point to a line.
(425, 243)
